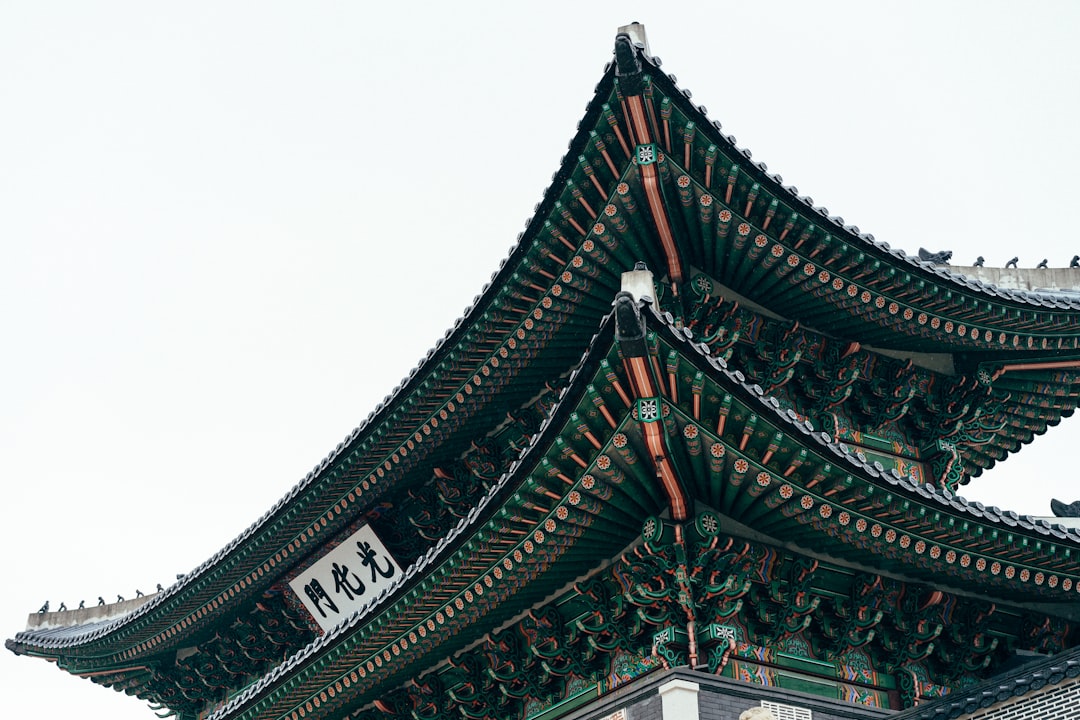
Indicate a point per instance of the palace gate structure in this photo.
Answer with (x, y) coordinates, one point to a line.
(697, 447)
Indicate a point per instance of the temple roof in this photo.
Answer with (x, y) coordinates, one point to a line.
(789, 261)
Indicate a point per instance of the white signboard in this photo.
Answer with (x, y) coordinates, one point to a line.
(346, 578)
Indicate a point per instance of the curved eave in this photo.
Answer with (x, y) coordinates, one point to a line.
(846, 282)
(386, 643)
(536, 530)
(396, 438)
(833, 501)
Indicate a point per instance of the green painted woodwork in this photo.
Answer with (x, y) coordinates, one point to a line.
(517, 423)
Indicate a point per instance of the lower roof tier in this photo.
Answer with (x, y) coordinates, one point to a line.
(627, 440)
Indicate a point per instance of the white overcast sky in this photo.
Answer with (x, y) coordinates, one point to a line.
(229, 229)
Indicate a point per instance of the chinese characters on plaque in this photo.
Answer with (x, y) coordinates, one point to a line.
(346, 578)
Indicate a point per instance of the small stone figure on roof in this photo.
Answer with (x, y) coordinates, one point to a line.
(100, 601)
(159, 587)
(1075, 262)
(82, 604)
(757, 713)
(979, 261)
(1060, 509)
(63, 607)
(1042, 264)
(1012, 263)
(138, 593)
(937, 258)
(119, 598)
(44, 608)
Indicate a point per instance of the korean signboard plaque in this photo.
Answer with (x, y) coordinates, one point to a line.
(346, 578)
